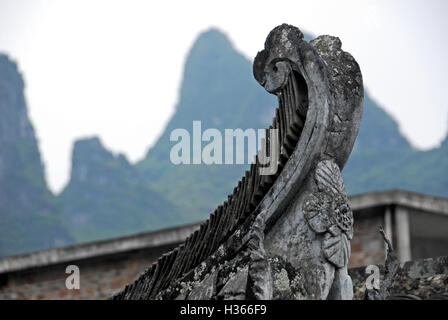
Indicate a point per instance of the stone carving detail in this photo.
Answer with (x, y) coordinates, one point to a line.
(327, 211)
(285, 235)
(336, 248)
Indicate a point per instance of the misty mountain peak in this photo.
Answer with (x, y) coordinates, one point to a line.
(10, 71)
(24, 198)
(92, 161)
(212, 41)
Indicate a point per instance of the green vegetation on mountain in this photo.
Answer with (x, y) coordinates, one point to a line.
(107, 198)
(29, 213)
(384, 159)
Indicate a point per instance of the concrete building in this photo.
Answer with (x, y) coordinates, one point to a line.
(416, 223)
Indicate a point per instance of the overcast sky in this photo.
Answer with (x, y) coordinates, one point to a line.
(113, 68)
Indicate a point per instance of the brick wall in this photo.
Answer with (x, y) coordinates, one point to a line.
(367, 244)
(100, 278)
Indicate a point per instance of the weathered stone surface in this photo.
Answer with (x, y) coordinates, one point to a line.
(290, 229)
(342, 288)
(423, 279)
(205, 290)
(236, 287)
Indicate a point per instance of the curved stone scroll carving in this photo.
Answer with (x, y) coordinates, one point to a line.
(311, 224)
(299, 215)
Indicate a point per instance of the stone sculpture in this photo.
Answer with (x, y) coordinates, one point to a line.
(285, 235)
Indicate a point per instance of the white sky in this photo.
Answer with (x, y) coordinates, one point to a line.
(113, 68)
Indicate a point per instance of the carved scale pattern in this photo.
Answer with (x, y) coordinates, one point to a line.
(327, 211)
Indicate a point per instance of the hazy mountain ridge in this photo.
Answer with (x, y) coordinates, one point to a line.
(106, 197)
(384, 159)
(29, 213)
(109, 197)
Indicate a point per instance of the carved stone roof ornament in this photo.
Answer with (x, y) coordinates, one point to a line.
(285, 235)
